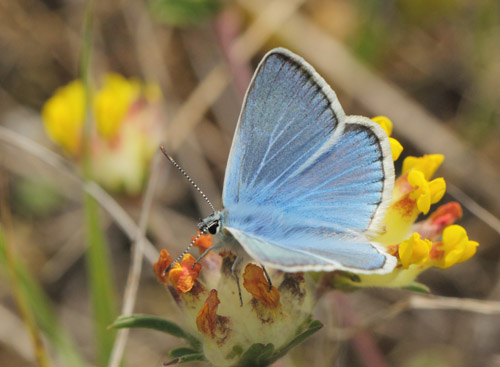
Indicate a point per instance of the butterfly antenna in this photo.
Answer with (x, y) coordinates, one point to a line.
(162, 148)
(183, 253)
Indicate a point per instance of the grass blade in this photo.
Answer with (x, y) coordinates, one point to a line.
(100, 282)
(42, 310)
(156, 323)
(97, 257)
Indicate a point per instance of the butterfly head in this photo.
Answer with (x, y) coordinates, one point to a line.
(211, 224)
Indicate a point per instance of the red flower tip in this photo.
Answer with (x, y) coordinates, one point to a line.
(446, 214)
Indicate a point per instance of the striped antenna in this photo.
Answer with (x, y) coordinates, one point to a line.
(162, 148)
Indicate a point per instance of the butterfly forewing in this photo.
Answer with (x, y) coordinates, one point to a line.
(285, 120)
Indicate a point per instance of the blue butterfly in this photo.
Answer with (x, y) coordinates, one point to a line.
(306, 186)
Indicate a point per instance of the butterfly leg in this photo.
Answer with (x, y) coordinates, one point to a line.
(205, 253)
(234, 272)
(267, 277)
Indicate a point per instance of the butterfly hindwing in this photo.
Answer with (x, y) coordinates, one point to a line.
(316, 253)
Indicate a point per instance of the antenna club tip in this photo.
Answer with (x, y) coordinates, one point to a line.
(164, 151)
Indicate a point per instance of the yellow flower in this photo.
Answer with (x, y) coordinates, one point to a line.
(455, 247)
(396, 148)
(112, 103)
(63, 116)
(126, 132)
(414, 251)
(425, 193)
(427, 164)
(386, 124)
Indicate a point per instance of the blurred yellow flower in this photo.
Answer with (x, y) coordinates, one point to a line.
(63, 116)
(126, 133)
(112, 103)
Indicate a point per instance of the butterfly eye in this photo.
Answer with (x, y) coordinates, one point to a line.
(212, 228)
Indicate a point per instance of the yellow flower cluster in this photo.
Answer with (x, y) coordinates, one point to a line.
(126, 131)
(433, 242)
(63, 114)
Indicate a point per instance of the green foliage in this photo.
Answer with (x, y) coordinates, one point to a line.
(260, 355)
(36, 198)
(183, 12)
(43, 311)
(181, 352)
(156, 323)
(100, 282)
(257, 355)
(418, 287)
(98, 264)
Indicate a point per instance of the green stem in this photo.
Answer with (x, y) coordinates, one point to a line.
(97, 257)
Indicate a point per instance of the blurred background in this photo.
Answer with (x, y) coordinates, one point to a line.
(182, 66)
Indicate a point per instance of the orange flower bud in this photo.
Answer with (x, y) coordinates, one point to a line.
(257, 285)
(204, 242)
(183, 275)
(206, 321)
(163, 263)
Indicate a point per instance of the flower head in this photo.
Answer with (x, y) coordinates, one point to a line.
(227, 326)
(126, 132)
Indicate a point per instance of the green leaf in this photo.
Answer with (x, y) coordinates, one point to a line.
(258, 355)
(36, 197)
(43, 311)
(261, 355)
(183, 12)
(418, 287)
(156, 323)
(187, 358)
(236, 351)
(181, 352)
(312, 328)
